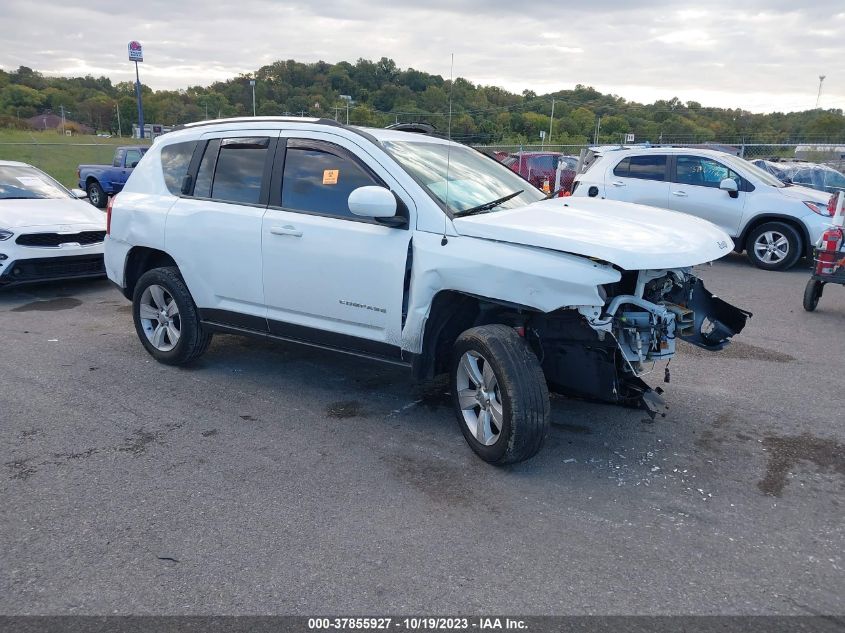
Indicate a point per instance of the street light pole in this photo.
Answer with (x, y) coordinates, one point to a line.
(119, 129)
(252, 83)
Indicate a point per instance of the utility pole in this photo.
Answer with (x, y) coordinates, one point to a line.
(119, 129)
(551, 120)
(598, 129)
(62, 109)
(252, 83)
(348, 99)
(819, 96)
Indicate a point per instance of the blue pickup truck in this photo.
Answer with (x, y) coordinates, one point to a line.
(102, 181)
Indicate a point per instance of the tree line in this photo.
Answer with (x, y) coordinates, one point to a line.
(378, 93)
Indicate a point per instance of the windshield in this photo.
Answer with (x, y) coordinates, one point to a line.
(17, 182)
(474, 179)
(740, 164)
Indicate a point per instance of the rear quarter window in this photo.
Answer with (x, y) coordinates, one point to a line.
(175, 160)
(648, 167)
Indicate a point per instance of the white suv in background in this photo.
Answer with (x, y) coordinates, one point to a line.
(773, 222)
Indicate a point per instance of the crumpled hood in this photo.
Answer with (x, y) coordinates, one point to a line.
(632, 236)
(49, 212)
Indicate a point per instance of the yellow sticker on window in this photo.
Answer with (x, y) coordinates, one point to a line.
(330, 176)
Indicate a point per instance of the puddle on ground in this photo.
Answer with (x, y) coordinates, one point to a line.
(572, 428)
(737, 350)
(434, 393)
(50, 305)
(784, 453)
(343, 410)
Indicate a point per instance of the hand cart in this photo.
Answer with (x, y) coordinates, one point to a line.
(828, 258)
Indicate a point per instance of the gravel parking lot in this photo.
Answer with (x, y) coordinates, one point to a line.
(276, 479)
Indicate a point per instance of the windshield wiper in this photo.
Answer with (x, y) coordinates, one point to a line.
(489, 205)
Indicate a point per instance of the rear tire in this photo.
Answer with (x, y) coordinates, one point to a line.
(166, 319)
(96, 195)
(500, 395)
(812, 294)
(773, 246)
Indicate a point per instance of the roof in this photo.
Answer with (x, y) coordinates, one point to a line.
(661, 150)
(536, 153)
(374, 134)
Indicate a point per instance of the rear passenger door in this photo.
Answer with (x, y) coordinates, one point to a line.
(640, 179)
(330, 276)
(695, 190)
(214, 230)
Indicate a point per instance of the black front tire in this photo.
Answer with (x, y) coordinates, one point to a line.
(96, 195)
(521, 388)
(812, 294)
(193, 340)
(794, 246)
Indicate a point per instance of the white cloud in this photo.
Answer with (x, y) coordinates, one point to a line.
(759, 55)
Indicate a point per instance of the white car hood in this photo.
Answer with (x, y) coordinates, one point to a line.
(797, 192)
(632, 236)
(15, 214)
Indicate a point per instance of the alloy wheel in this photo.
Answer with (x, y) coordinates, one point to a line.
(160, 318)
(480, 398)
(771, 247)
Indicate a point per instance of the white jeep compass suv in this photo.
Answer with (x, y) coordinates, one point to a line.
(415, 251)
(773, 222)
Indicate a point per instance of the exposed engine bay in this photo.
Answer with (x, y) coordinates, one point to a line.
(602, 353)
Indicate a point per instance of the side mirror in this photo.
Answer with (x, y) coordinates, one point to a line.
(133, 164)
(372, 202)
(729, 185)
(78, 193)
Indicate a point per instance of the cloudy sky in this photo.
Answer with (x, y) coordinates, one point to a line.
(761, 55)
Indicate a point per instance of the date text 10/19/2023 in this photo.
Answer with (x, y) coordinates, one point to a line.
(416, 624)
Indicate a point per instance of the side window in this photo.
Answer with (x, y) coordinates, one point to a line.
(118, 158)
(175, 160)
(543, 163)
(704, 172)
(239, 170)
(649, 167)
(622, 168)
(319, 177)
(133, 157)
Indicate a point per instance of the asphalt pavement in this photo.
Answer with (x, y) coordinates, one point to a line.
(277, 479)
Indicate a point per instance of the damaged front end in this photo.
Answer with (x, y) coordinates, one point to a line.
(602, 353)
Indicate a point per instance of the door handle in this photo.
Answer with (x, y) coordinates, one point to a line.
(680, 194)
(617, 183)
(287, 229)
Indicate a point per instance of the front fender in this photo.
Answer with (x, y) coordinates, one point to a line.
(536, 278)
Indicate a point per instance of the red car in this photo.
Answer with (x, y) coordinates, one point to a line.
(540, 169)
